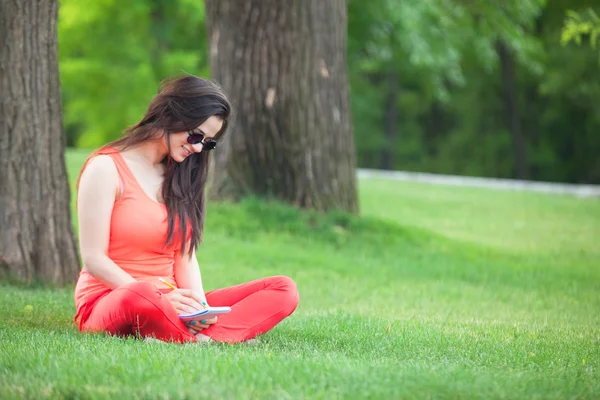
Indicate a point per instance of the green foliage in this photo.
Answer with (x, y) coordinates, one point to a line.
(433, 47)
(450, 111)
(449, 114)
(113, 57)
(433, 36)
(439, 292)
(579, 26)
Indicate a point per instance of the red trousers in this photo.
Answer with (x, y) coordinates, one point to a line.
(140, 309)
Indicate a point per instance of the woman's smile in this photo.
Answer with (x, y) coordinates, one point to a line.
(186, 152)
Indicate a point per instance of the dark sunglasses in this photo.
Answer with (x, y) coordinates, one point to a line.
(195, 138)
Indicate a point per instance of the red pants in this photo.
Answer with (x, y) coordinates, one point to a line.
(140, 309)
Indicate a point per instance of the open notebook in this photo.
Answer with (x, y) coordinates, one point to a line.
(205, 313)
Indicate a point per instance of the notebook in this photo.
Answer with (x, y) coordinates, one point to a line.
(205, 313)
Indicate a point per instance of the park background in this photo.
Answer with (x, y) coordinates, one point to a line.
(429, 291)
(453, 87)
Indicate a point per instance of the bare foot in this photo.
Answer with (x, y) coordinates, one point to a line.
(200, 338)
(203, 339)
(150, 339)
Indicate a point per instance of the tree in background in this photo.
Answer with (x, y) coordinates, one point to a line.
(578, 26)
(36, 236)
(462, 104)
(283, 64)
(113, 57)
(416, 53)
(464, 87)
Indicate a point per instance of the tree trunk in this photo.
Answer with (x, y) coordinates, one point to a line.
(283, 64)
(509, 86)
(435, 125)
(391, 122)
(36, 234)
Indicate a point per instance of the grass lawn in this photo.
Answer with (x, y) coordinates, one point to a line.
(437, 292)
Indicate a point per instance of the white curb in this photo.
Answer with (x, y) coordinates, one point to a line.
(494, 183)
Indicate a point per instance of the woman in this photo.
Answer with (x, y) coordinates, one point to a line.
(141, 202)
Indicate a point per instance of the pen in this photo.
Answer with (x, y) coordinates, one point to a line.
(203, 304)
(167, 283)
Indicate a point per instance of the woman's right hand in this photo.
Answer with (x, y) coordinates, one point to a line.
(185, 301)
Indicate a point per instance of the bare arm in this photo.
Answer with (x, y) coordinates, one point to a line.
(187, 274)
(98, 190)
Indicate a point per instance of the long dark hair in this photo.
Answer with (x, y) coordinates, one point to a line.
(182, 104)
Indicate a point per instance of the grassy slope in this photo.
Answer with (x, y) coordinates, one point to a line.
(438, 291)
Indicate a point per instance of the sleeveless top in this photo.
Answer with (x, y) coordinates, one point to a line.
(137, 243)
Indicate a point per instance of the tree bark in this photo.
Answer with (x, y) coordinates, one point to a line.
(283, 64)
(509, 86)
(391, 122)
(36, 234)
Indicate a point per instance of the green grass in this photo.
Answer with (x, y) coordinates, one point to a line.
(436, 292)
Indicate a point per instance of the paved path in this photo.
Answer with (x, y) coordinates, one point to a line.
(495, 183)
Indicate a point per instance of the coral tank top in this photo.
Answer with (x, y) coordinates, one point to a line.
(137, 244)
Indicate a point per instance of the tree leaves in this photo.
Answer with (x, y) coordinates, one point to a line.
(434, 36)
(577, 26)
(112, 58)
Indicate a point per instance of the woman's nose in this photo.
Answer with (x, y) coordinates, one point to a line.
(197, 147)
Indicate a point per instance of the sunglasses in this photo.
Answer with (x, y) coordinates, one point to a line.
(196, 137)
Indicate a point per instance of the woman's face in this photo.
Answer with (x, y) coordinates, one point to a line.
(180, 148)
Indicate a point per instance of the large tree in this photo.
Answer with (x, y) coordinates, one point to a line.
(36, 234)
(283, 64)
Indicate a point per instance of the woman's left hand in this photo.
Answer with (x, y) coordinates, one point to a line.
(195, 327)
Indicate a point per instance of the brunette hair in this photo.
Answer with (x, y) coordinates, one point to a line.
(182, 104)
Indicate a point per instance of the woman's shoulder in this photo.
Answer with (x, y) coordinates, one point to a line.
(101, 162)
(100, 166)
(99, 178)
(102, 159)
